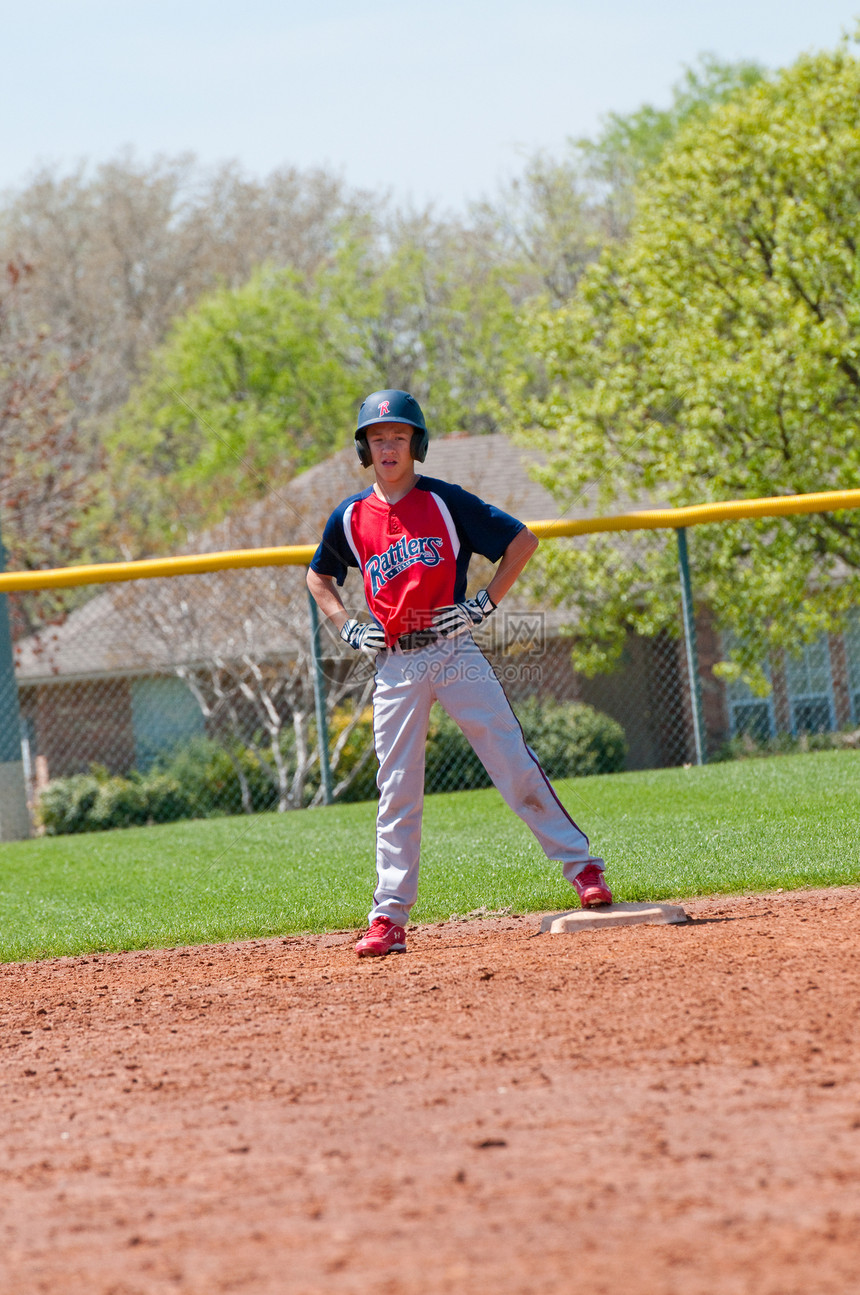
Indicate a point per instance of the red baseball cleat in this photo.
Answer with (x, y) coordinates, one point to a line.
(383, 937)
(591, 887)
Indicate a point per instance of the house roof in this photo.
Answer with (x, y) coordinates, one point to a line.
(154, 625)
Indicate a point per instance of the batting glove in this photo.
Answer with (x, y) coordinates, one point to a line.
(363, 636)
(450, 621)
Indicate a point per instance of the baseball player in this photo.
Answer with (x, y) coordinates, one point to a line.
(412, 537)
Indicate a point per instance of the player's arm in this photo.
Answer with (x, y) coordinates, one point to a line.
(513, 560)
(450, 621)
(357, 634)
(327, 598)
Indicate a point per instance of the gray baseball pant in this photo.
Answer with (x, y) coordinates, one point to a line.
(455, 673)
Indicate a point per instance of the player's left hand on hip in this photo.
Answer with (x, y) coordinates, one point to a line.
(456, 619)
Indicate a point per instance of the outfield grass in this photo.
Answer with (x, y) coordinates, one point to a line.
(749, 826)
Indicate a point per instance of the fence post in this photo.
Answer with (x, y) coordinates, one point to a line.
(319, 701)
(14, 815)
(690, 641)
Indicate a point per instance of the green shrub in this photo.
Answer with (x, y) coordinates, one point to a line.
(120, 802)
(198, 780)
(451, 764)
(95, 801)
(167, 800)
(570, 739)
(66, 804)
(364, 785)
(209, 780)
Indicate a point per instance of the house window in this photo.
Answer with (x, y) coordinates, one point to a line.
(749, 715)
(164, 716)
(809, 684)
(851, 638)
(753, 719)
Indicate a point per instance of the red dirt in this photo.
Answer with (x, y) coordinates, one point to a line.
(641, 1111)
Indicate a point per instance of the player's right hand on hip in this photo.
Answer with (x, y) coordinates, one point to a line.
(363, 636)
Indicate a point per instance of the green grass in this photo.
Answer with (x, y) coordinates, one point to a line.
(748, 826)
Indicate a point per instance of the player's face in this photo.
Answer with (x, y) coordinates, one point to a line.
(390, 446)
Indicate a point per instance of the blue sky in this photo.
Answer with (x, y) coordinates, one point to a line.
(435, 101)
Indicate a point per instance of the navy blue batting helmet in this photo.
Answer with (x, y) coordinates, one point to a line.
(391, 406)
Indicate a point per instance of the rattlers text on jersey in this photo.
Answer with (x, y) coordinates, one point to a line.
(414, 554)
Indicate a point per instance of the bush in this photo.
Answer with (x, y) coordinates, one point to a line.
(570, 739)
(451, 763)
(197, 781)
(120, 802)
(209, 781)
(66, 804)
(364, 785)
(95, 801)
(167, 800)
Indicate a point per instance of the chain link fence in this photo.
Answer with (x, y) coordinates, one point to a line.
(198, 695)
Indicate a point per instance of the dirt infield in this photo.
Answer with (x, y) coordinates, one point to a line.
(637, 1111)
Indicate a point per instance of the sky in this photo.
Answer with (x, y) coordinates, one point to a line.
(437, 102)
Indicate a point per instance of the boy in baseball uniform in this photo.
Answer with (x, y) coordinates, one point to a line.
(412, 537)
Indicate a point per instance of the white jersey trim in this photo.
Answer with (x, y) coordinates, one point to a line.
(448, 520)
(347, 530)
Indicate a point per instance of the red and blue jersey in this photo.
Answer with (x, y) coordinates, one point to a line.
(413, 555)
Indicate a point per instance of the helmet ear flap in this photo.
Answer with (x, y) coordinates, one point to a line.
(362, 449)
(418, 445)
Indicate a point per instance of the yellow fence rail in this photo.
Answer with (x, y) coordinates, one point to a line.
(672, 519)
(301, 554)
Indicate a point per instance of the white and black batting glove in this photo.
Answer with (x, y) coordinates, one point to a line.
(363, 636)
(450, 621)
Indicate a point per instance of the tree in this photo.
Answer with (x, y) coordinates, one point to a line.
(716, 356)
(629, 145)
(125, 247)
(256, 383)
(430, 311)
(250, 387)
(552, 221)
(48, 476)
(547, 226)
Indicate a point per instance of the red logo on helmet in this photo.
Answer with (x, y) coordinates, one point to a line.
(384, 407)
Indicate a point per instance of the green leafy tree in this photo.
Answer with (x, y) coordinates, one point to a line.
(123, 247)
(251, 386)
(550, 222)
(257, 383)
(629, 145)
(717, 356)
(429, 310)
